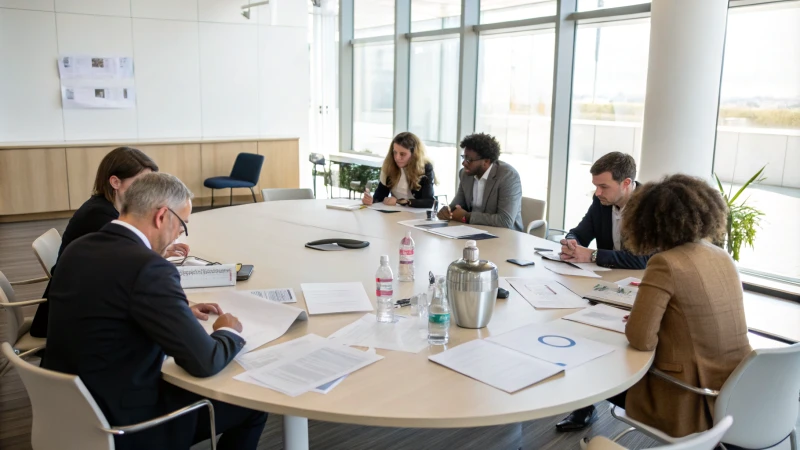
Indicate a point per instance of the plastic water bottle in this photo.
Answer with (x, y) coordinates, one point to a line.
(406, 265)
(439, 315)
(384, 291)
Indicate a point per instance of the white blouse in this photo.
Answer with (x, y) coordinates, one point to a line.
(401, 189)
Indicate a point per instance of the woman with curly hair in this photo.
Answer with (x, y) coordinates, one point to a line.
(689, 308)
(406, 175)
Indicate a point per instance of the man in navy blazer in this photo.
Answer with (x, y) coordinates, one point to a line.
(117, 310)
(613, 176)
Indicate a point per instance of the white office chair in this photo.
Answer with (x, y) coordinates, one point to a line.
(760, 395)
(533, 212)
(700, 441)
(17, 327)
(46, 248)
(272, 195)
(65, 415)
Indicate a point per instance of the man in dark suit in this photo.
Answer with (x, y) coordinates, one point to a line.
(117, 310)
(613, 176)
(489, 191)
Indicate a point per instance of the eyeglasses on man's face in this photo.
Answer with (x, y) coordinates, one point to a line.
(470, 161)
(185, 229)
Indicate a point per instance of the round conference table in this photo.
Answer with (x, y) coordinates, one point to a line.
(403, 389)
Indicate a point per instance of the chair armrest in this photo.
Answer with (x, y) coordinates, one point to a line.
(119, 431)
(688, 387)
(21, 304)
(603, 443)
(535, 225)
(31, 281)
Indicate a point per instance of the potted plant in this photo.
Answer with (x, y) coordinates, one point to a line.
(743, 219)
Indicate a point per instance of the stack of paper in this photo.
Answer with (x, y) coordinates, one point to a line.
(345, 205)
(546, 294)
(613, 294)
(566, 269)
(398, 208)
(331, 298)
(555, 256)
(403, 335)
(602, 316)
(283, 295)
(262, 321)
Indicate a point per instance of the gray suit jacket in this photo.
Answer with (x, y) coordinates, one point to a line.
(502, 198)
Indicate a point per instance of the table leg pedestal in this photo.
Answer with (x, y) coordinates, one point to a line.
(295, 433)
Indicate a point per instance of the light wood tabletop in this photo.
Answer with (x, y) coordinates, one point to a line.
(403, 389)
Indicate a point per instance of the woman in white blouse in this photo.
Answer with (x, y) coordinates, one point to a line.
(406, 176)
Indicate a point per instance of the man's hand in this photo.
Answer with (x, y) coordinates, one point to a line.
(572, 252)
(390, 201)
(367, 198)
(202, 310)
(459, 214)
(178, 249)
(444, 213)
(228, 320)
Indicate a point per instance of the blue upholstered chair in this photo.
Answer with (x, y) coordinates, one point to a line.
(245, 173)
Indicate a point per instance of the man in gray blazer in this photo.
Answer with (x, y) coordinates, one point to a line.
(489, 191)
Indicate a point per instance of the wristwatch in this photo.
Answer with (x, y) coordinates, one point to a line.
(594, 256)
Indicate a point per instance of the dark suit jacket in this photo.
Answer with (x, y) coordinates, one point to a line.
(502, 198)
(94, 214)
(423, 198)
(116, 310)
(596, 224)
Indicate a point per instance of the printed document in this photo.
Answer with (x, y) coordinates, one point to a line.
(284, 295)
(458, 232)
(331, 298)
(549, 343)
(207, 276)
(262, 321)
(497, 366)
(546, 294)
(601, 316)
(555, 256)
(404, 335)
(613, 294)
(565, 269)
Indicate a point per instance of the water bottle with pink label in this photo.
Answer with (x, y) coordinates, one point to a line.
(384, 291)
(406, 266)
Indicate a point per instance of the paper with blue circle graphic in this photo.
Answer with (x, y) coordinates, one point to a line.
(552, 344)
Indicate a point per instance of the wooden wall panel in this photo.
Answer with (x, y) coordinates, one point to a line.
(33, 181)
(82, 164)
(281, 164)
(182, 160)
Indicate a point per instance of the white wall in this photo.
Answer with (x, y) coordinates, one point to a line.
(201, 69)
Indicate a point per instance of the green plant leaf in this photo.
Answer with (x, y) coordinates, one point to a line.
(721, 189)
(751, 180)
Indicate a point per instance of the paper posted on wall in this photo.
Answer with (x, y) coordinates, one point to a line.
(98, 97)
(72, 67)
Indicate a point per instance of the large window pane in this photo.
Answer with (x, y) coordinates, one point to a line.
(515, 87)
(608, 91)
(373, 18)
(589, 5)
(759, 124)
(493, 11)
(429, 15)
(433, 105)
(373, 97)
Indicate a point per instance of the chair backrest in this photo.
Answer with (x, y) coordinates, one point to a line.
(532, 209)
(65, 416)
(762, 396)
(272, 195)
(46, 248)
(704, 441)
(14, 317)
(247, 167)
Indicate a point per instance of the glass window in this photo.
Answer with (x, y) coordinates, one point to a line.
(373, 18)
(515, 89)
(493, 11)
(373, 97)
(433, 105)
(759, 124)
(589, 5)
(608, 91)
(429, 15)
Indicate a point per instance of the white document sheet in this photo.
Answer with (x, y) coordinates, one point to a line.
(495, 365)
(593, 267)
(331, 298)
(565, 269)
(549, 343)
(262, 321)
(552, 256)
(325, 362)
(457, 232)
(601, 316)
(404, 335)
(94, 67)
(626, 283)
(283, 295)
(613, 293)
(546, 294)
(345, 205)
(425, 223)
(408, 209)
(97, 97)
(207, 276)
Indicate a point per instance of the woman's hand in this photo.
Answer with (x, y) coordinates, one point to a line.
(367, 198)
(390, 201)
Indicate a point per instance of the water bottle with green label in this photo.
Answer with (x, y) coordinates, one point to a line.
(439, 315)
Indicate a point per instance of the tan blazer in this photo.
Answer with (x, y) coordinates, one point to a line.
(689, 309)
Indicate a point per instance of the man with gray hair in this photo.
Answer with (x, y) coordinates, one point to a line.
(117, 310)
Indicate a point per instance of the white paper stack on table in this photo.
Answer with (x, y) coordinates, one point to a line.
(404, 335)
(282, 295)
(262, 321)
(613, 294)
(601, 316)
(565, 269)
(207, 276)
(555, 256)
(544, 293)
(331, 298)
(345, 205)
